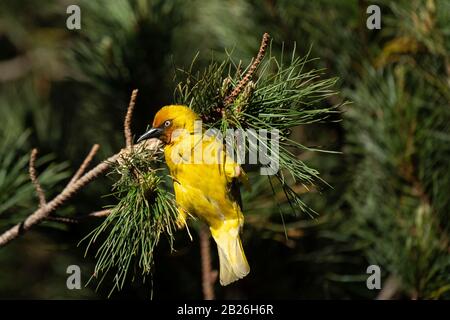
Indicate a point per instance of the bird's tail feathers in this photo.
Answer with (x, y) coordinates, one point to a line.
(233, 263)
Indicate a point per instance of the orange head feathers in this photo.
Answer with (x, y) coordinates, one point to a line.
(168, 119)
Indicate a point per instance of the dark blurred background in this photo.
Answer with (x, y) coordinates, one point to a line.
(63, 90)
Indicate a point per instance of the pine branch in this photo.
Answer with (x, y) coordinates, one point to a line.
(32, 171)
(78, 181)
(128, 117)
(68, 192)
(98, 214)
(208, 275)
(15, 68)
(248, 76)
(282, 96)
(390, 289)
(75, 220)
(85, 163)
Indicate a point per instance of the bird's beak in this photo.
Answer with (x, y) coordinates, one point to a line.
(152, 133)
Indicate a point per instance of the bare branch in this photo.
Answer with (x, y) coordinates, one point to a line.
(248, 76)
(43, 212)
(390, 289)
(78, 181)
(62, 219)
(85, 163)
(98, 214)
(32, 170)
(75, 220)
(128, 117)
(15, 68)
(208, 275)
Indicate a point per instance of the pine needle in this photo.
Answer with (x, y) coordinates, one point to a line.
(280, 96)
(145, 211)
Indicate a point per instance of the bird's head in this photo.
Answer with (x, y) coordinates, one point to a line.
(167, 120)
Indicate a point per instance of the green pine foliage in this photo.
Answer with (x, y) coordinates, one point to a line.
(145, 210)
(388, 204)
(17, 195)
(397, 133)
(387, 190)
(280, 97)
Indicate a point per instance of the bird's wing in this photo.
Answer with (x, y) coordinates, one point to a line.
(214, 153)
(235, 177)
(235, 192)
(234, 171)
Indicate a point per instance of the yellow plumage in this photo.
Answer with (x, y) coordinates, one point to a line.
(205, 187)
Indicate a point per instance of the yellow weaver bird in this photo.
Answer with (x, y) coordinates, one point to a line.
(206, 184)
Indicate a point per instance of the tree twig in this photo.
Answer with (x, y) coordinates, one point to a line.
(68, 192)
(128, 117)
(248, 76)
(67, 220)
(33, 177)
(15, 68)
(75, 220)
(208, 275)
(98, 214)
(390, 288)
(85, 163)
(78, 181)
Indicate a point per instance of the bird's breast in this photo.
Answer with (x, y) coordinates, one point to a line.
(201, 185)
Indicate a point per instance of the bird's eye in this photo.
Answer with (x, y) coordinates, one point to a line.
(167, 123)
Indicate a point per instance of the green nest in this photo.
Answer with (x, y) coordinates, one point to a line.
(145, 211)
